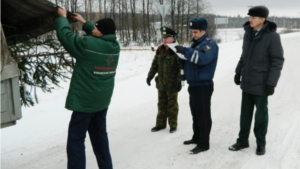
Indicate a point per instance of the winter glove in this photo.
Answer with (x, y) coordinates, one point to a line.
(152, 48)
(179, 49)
(178, 86)
(237, 79)
(149, 80)
(270, 90)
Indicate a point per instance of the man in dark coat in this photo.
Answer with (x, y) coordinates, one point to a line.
(199, 70)
(258, 72)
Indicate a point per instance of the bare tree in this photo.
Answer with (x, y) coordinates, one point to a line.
(90, 8)
(112, 9)
(187, 21)
(182, 8)
(74, 5)
(120, 21)
(144, 21)
(148, 20)
(86, 9)
(133, 19)
(67, 5)
(173, 8)
(105, 11)
(100, 7)
(126, 25)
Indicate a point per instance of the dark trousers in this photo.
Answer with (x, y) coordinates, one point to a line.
(200, 97)
(261, 118)
(95, 124)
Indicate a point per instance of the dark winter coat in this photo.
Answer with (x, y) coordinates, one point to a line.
(165, 64)
(202, 57)
(92, 81)
(261, 60)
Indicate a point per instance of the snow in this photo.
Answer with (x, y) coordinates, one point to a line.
(38, 141)
(234, 34)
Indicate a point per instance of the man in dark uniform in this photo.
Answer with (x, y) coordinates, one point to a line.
(168, 81)
(199, 69)
(259, 67)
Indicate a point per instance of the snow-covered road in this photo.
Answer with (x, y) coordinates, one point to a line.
(38, 140)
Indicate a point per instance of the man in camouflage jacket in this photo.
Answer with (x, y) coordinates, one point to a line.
(168, 82)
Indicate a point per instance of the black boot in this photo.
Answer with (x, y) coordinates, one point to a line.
(238, 146)
(198, 149)
(189, 142)
(173, 129)
(260, 150)
(156, 128)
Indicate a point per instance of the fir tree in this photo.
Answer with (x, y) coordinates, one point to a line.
(43, 62)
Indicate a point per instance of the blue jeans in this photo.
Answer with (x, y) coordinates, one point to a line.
(95, 124)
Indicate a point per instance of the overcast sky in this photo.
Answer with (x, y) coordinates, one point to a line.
(289, 8)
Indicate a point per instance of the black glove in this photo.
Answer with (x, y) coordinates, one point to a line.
(179, 49)
(178, 86)
(237, 79)
(149, 80)
(152, 48)
(270, 90)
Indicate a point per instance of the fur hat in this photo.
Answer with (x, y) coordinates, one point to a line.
(106, 26)
(198, 23)
(261, 11)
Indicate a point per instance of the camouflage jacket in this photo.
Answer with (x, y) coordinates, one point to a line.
(165, 64)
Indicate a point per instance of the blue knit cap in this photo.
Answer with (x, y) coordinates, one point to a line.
(198, 23)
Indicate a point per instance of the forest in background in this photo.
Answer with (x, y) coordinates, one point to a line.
(138, 21)
(43, 62)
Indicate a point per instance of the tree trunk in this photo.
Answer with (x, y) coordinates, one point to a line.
(105, 11)
(148, 21)
(133, 20)
(100, 8)
(187, 21)
(143, 21)
(173, 14)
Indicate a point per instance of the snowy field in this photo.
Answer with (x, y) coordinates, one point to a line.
(38, 141)
(235, 34)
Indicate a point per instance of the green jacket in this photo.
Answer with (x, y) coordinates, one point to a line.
(92, 81)
(165, 64)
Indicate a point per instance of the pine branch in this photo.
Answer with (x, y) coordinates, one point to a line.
(40, 69)
(41, 54)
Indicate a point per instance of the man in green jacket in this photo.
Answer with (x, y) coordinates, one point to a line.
(91, 86)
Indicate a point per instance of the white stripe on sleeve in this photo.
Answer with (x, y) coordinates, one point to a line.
(193, 56)
(197, 57)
